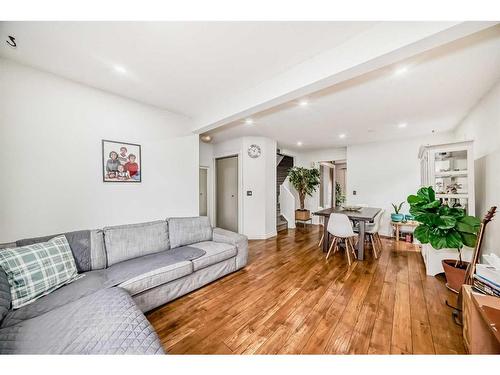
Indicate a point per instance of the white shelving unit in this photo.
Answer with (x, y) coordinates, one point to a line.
(449, 169)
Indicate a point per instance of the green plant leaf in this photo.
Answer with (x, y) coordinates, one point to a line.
(422, 233)
(427, 193)
(433, 204)
(414, 199)
(468, 239)
(446, 222)
(471, 220)
(466, 228)
(429, 219)
(437, 240)
(415, 210)
(456, 212)
(454, 240)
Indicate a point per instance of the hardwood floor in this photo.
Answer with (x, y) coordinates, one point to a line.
(289, 299)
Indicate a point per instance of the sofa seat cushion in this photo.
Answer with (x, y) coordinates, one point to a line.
(125, 242)
(104, 322)
(140, 274)
(215, 252)
(90, 282)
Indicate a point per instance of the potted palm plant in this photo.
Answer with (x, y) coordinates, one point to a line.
(444, 227)
(305, 181)
(397, 216)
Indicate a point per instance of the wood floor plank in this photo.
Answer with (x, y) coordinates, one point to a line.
(290, 300)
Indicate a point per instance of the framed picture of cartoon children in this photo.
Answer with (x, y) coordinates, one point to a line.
(121, 162)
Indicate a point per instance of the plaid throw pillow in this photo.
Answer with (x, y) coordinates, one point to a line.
(36, 270)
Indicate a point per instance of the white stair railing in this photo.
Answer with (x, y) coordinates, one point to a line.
(287, 204)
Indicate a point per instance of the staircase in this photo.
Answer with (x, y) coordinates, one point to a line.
(283, 164)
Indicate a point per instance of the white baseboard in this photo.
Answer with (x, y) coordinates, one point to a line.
(261, 236)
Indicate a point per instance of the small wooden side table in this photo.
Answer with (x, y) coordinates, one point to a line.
(397, 224)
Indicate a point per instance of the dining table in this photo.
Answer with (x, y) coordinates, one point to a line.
(362, 216)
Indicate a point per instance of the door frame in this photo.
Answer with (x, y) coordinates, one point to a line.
(209, 191)
(240, 191)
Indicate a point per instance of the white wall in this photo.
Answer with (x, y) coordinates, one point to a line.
(257, 213)
(386, 172)
(51, 174)
(483, 126)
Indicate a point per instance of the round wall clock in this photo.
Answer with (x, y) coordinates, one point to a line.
(254, 151)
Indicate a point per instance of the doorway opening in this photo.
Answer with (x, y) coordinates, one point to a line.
(332, 183)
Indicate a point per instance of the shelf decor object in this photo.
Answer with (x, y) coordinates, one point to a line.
(449, 169)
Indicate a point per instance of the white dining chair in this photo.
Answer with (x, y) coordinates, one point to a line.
(340, 227)
(372, 232)
(321, 224)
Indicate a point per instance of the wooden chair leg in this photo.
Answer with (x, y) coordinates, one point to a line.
(353, 248)
(374, 247)
(321, 240)
(331, 247)
(381, 244)
(347, 251)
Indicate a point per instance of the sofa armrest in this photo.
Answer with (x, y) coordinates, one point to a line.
(238, 240)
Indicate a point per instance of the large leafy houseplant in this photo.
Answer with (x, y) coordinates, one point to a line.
(440, 225)
(305, 181)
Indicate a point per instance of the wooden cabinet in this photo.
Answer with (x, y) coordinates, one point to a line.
(481, 323)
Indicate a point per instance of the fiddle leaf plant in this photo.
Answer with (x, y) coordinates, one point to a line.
(305, 181)
(440, 225)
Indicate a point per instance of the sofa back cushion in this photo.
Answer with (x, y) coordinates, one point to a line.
(5, 298)
(188, 230)
(130, 241)
(87, 247)
(36, 270)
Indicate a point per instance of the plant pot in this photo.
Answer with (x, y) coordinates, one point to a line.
(455, 276)
(409, 217)
(302, 215)
(397, 217)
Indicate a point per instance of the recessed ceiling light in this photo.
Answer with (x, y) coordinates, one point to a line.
(401, 70)
(206, 138)
(303, 102)
(342, 136)
(249, 121)
(402, 125)
(120, 69)
(299, 143)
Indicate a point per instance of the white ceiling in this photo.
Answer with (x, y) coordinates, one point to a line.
(193, 68)
(179, 66)
(438, 89)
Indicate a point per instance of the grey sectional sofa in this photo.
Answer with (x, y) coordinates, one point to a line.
(129, 270)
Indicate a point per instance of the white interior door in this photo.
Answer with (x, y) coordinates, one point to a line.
(203, 181)
(227, 193)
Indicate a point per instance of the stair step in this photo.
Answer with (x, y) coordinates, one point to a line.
(281, 227)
